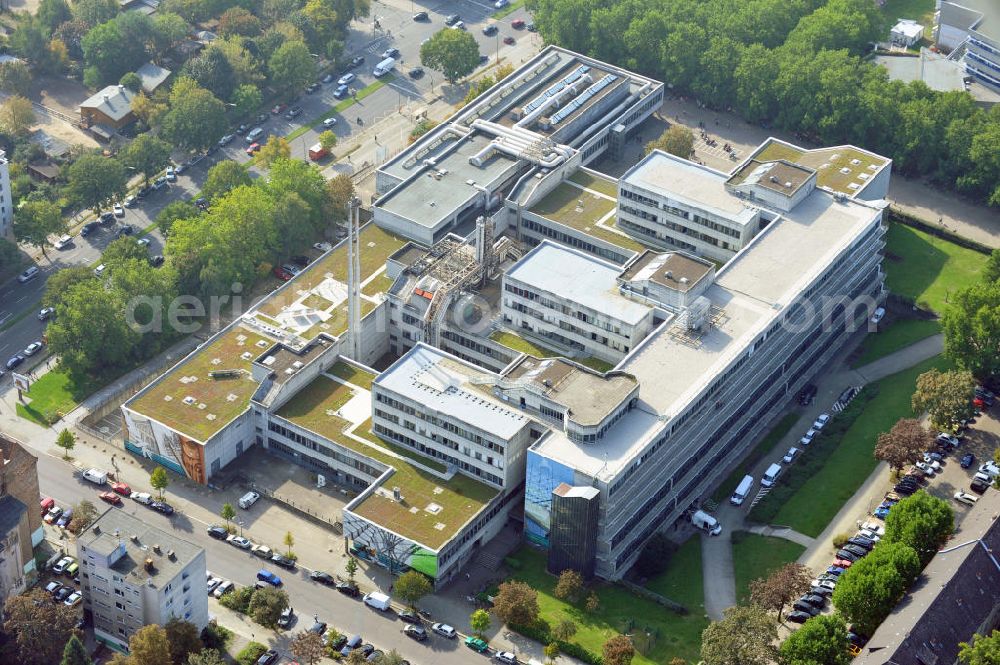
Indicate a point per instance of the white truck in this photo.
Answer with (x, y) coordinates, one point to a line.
(378, 600)
(742, 490)
(384, 67)
(95, 476)
(702, 520)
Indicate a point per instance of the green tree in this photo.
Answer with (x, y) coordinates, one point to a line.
(340, 190)
(159, 480)
(516, 603)
(291, 67)
(133, 82)
(266, 606)
(75, 653)
(146, 154)
(868, 590)
(29, 41)
(53, 13)
(275, 149)
(212, 71)
(945, 396)
(184, 639)
(83, 514)
(551, 652)
(95, 12)
(66, 440)
(147, 109)
(564, 630)
(223, 177)
(289, 542)
(169, 30)
(569, 585)
(618, 650)
(94, 180)
(115, 47)
(677, 140)
(196, 118)
(38, 627)
(351, 568)
(36, 221)
(16, 115)
(593, 602)
(61, 282)
(822, 639)
(90, 335)
(327, 140)
(904, 444)
(206, 657)
(454, 53)
(307, 647)
(479, 621)
(172, 212)
(228, 513)
(249, 654)
(238, 21)
(744, 636)
(246, 100)
(923, 522)
(411, 586)
(991, 273)
(981, 650)
(15, 78)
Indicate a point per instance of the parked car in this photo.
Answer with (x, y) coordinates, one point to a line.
(89, 228)
(476, 644)
(798, 617)
(283, 561)
(808, 437)
(329, 122)
(517, 23)
(286, 618)
(352, 643)
(392, 52)
(65, 241)
(226, 139)
(73, 599)
(490, 30)
(62, 564)
(505, 658)
(340, 92)
(415, 632)
(452, 19)
(162, 507)
(225, 587)
(966, 498)
(14, 361)
(508, 40)
(217, 532)
(862, 542)
(821, 421)
(348, 589)
(409, 616)
(444, 630)
(927, 469)
(416, 72)
(346, 79)
(790, 455)
(357, 60)
(931, 462)
(239, 541)
(855, 549)
(110, 497)
(170, 174)
(145, 498)
(293, 112)
(421, 16)
(322, 578)
(269, 657)
(265, 575)
(802, 606)
(967, 460)
(281, 273)
(95, 476)
(878, 315)
(63, 593)
(278, 108)
(319, 628)
(312, 87)
(979, 485)
(253, 148)
(118, 487)
(213, 583)
(263, 551)
(32, 349)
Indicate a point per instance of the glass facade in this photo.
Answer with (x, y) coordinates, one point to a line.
(543, 476)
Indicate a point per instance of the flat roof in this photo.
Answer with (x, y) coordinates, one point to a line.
(781, 176)
(115, 528)
(694, 184)
(984, 14)
(837, 168)
(674, 270)
(430, 198)
(311, 303)
(578, 277)
(590, 212)
(674, 367)
(187, 399)
(589, 396)
(460, 497)
(442, 383)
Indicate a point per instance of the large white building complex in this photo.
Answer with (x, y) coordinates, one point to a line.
(133, 574)
(527, 339)
(969, 30)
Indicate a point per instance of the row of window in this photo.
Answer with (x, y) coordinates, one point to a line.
(667, 240)
(443, 423)
(318, 465)
(572, 241)
(474, 530)
(677, 212)
(326, 450)
(433, 452)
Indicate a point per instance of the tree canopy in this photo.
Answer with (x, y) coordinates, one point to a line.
(821, 640)
(196, 118)
(981, 650)
(868, 590)
(36, 221)
(454, 53)
(94, 180)
(972, 329)
(516, 603)
(904, 444)
(677, 140)
(945, 396)
(922, 521)
(38, 627)
(744, 636)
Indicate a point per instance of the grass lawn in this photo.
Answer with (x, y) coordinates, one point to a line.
(897, 335)
(834, 469)
(926, 268)
(509, 9)
(52, 395)
(757, 556)
(605, 186)
(763, 448)
(523, 345)
(352, 374)
(677, 635)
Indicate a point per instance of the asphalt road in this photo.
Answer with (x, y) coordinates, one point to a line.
(62, 482)
(20, 302)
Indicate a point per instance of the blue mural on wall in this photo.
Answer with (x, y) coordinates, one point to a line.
(543, 476)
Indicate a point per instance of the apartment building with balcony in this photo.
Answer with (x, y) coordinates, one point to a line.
(133, 574)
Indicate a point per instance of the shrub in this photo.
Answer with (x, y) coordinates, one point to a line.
(841, 539)
(250, 653)
(215, 636)
(238, 600)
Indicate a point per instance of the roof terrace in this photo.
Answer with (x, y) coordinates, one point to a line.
(843, 169)
(585, 211)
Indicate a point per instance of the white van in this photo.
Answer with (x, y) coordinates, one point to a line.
(384, 67)
(95, 476)
(742, 490)
(770, 475)
(706, 522)
(378, 600)
(254, 134)
(248, 500)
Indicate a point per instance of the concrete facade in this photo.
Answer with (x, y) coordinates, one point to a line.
(133, 575)
(6, 202)
(20, 518)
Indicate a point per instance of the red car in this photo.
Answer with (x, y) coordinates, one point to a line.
(47, 504)
(978, 403)
(121, 488)
(282, 274)
(843, 563)
(252, 148)
(508, 40)
(517, 23)
(279, 108)
(111, 498)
